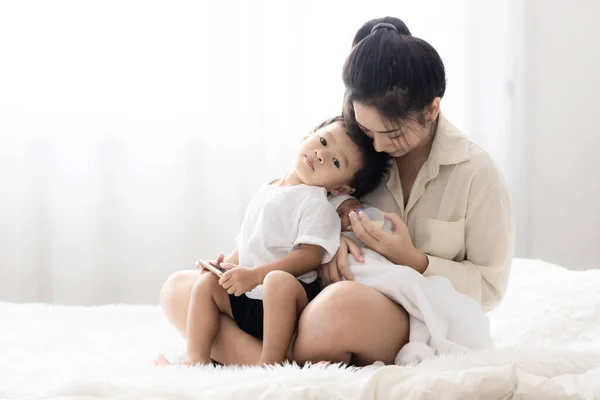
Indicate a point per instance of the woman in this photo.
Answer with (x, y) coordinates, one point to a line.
(450, 203)
(452, 212)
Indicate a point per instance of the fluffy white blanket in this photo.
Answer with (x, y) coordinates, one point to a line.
(547, 332)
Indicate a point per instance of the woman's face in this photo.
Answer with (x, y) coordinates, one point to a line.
(396, 140)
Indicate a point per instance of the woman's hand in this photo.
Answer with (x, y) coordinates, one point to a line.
(396, 247)
(337, 268)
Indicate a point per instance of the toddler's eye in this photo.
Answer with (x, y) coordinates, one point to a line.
(336, 163)
(323, 141)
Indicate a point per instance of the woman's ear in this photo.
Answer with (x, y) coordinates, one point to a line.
(433, 110)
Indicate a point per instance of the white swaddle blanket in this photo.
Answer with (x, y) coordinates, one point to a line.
(442, 320)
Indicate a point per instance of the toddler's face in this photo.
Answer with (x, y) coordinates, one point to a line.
(329, 158)
(344, 209)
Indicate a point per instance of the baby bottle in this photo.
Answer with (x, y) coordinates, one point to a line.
(376, 216)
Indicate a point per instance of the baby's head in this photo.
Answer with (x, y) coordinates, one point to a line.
(343, 205)
(340, 162)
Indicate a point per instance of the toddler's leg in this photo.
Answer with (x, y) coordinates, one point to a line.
(284, 298)
(207, 301)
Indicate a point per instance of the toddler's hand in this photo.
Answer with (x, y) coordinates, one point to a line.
(238, 280)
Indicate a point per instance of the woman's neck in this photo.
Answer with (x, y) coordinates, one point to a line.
(415, 159)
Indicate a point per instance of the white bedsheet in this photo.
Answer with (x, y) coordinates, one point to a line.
(547, 332)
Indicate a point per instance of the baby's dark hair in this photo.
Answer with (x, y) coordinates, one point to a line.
(388, 69)
(375, 165)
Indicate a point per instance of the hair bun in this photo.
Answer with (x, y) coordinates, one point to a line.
(384, 25)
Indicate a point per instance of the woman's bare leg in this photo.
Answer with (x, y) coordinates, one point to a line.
(350, 322)
(231, 346)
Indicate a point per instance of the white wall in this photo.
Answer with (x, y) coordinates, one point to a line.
(495, 95)
(133, 133)
(561, 119)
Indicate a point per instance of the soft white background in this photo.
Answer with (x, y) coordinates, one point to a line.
(133, 133)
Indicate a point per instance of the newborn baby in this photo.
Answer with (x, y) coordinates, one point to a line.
(344, 204)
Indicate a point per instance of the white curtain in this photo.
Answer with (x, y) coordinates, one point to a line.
(133, 133)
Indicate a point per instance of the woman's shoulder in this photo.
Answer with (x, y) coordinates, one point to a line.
(480, 173)
(482, 165)
(468, 157)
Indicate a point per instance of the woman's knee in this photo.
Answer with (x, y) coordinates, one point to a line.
(323, 317)
(177, 288)
(348, 301)
(175, 297)
(350, 318)
(320, 326)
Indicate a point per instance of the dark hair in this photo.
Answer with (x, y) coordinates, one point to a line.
(392, 71)
(375, 165)
(368, 26)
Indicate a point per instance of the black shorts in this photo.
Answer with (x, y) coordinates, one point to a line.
(248, 313)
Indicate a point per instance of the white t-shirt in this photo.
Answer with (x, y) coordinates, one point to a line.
(278, 219)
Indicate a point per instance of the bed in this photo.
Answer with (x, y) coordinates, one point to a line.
(547, 331)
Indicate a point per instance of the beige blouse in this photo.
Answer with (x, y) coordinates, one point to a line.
(458, 214)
